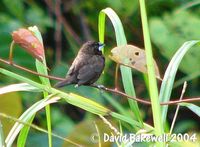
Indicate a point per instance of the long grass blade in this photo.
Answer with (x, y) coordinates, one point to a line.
(18, 87)
(25, 117)
(156, 110)
(168, 80)
(121, 40)
(21, 141)
(42, 69)
(192, 107)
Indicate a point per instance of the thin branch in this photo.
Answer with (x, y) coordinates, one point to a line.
(115, 91)
(177, 108)
(30, 71)
(121, 93)
(174, 102)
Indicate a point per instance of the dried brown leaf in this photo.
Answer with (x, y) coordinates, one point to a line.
(133, 57)
(29, 42)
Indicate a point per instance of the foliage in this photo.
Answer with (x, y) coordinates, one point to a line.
(172, 30)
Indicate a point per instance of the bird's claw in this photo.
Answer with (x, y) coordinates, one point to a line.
(100, 86)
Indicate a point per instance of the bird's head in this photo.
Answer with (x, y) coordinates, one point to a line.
(92, 47)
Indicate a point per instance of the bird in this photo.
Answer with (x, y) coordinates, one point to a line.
(86, 67)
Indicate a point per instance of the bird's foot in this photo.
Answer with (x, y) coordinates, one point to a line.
(76, 86)
(101, 86)
(98, 86)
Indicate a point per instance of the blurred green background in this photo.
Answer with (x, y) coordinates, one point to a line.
(66, 24)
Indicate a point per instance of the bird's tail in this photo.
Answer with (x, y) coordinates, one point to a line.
(67, 81)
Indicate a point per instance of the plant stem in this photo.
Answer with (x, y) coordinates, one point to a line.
(2, 141)
(151, 75)
(177, 108)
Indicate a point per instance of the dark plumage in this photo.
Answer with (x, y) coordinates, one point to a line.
(86, 67)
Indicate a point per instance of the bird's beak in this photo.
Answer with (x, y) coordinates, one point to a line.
(101, 45)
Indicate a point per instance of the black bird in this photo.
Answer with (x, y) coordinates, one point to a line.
(86, 67)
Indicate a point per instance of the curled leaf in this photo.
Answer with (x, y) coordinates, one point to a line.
(27, 40)
(133, 57)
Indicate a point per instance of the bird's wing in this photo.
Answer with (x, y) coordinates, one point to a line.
(77, 63)
(92, 69)
(71, 69)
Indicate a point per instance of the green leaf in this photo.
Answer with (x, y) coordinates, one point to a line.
(86, 104)
(121, 40)
(21, 141)
(18, 87)
(42, 69)
(153, 88)
(168, 80)
(131, 121)
(192, 107)
(126, 119)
